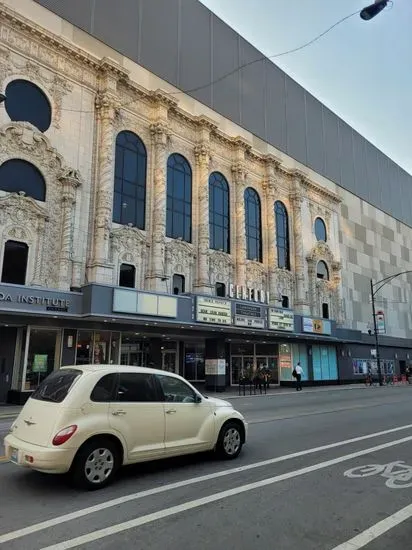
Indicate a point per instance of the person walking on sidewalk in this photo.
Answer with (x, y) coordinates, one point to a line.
(297, 372)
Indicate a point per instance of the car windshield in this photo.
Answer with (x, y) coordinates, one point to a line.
(57, 386)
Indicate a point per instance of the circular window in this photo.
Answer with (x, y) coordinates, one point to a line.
(26, 102)
(320, 230)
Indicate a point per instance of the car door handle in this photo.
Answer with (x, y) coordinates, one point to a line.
(171, 411)
(118, 413)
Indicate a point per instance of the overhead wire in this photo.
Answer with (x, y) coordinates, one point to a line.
(240, 67)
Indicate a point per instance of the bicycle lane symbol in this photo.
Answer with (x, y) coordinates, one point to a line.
(398, 474)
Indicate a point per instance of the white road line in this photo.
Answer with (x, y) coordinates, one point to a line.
(12, 535)
(173, 510)
(376, 530)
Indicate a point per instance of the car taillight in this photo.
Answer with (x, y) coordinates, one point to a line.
(64, 435)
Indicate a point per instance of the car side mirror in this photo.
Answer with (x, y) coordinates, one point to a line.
(198, 399)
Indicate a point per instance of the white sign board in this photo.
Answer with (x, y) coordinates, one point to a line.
(214, 311)
(279, 319)
(215, 367)
(250, 322)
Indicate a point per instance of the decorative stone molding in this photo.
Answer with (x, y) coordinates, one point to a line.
(284, 285)
(180, 258)
(321, 291)
(221, 267)
(22, 219)
(202, 172)
(256, 275)
(52, 249)
(129, 245)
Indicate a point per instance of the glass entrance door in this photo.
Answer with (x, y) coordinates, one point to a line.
(241, 367)
(169, 362)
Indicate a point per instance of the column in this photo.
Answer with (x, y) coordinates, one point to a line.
(69, 184)
(239, 180)
(100, 266)
(202, 153)
(269, 186)
(157, 279)
(296, 197)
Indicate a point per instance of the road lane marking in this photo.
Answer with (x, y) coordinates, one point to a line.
(190, 505)
(398, 474)
(12, 535)
(369, 535)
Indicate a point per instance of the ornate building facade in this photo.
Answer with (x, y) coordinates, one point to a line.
(111, 179)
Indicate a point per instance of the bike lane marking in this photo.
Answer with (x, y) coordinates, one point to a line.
(12, 535)
(190, 505)
(372, 533)
(398, 474)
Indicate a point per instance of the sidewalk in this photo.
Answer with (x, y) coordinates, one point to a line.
(11, 411)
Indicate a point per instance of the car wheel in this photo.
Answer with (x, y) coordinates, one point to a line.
(229, 443)
(95, 464)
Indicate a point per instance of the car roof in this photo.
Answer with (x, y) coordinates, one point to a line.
(116, 368)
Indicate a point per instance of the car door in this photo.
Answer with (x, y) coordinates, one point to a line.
(189, 419)
(138, 414)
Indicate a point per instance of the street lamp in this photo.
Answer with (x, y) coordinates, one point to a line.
(375, 288)
(374, 9)
(2, 97)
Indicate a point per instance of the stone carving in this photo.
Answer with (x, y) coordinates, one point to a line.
(324, 291)
(128, 245)
(221, 267)
(180, 259)
(284, 285)
(256, 276)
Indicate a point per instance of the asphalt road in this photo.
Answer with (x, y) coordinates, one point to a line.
(304, 481)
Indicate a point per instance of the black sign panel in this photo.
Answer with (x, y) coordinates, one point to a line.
(247, 310)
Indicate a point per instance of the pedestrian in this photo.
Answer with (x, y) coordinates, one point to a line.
(297, 373)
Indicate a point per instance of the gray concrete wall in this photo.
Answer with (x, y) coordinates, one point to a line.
(184, 43)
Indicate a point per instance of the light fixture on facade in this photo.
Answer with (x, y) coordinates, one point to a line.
(373, 10)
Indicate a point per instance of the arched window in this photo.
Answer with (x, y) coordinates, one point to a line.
(178, 284)
(127, 275)
(253, 224)
(320, 230)
(28, 103)
(282, 235)
(18, 175)
(322, 271)
(129, 201)
(15, 263)
(219, 213)
(179, 198)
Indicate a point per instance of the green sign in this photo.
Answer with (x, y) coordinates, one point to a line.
(40, 363)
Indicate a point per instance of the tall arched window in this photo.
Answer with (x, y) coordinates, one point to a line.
(219, 213)
(179, 198)
(253, 223)
(18, 175)
(282, 235)
(129, 201)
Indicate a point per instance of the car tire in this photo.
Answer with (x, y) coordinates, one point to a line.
(229, 443)
(95, 464)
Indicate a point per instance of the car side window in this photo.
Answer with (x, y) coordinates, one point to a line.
(176, 391)
(137, 388)
(103, 392)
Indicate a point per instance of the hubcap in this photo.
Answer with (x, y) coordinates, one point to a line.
(99, 465)
(231, 441)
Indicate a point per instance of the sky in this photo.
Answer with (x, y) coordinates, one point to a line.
(361, 70)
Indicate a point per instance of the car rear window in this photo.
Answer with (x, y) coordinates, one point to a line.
(57, 386)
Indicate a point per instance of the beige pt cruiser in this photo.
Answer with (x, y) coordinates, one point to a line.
(90, 420)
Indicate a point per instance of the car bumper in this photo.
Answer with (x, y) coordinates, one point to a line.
(43, 459)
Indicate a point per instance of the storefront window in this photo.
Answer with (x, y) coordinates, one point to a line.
(101, 349)
(115, 348)
(134, 350)
(195, 362)
(43, 352)
(84, 347)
